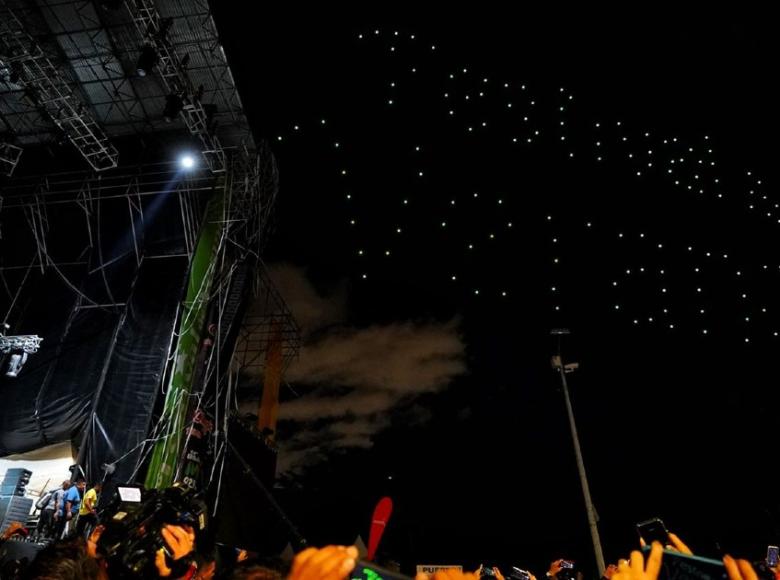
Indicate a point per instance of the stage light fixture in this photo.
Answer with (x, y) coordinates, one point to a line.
(18, 348)
(15, 73)
(164, 28)
(15, 363)
(146, 61)
(173, 106)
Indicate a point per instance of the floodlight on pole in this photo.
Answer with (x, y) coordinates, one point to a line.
(563, 369)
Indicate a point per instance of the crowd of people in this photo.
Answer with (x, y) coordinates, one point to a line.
(77, 550)
(68, 510)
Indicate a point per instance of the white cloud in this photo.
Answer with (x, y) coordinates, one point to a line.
(359, 375)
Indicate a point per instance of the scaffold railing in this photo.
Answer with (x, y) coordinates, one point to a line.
(269, 319)
(173, 74)
(50, 92)
(9, 158)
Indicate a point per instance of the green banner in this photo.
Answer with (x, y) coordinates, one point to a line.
(191, 327)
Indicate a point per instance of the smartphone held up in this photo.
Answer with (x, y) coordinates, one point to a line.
(653, 530)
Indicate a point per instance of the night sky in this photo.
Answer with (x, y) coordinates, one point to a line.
(488, 177)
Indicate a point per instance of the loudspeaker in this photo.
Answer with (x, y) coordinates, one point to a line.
(15, 481)
(14, 509)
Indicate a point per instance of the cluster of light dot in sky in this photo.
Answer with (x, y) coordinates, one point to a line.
(688, 165)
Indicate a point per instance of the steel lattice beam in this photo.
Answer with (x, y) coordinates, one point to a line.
(50, 91)
(174, 76)
(9, 157)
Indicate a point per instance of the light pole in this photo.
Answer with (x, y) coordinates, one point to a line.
(563, 369)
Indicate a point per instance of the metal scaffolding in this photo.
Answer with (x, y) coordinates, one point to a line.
(69, 69)
(268, 319)
(37, 209)
(69, 205)
(47, 90)
(153, 30)
(9, 158)
(96, 48)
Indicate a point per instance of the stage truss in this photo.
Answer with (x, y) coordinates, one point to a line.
(68, 71)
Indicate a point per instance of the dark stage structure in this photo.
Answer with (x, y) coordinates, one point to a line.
(136, 204)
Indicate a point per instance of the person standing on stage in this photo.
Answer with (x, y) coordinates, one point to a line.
(88, 511)
(59, 502)
(72, 501)
(48, 505)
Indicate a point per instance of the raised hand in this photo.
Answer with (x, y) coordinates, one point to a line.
(637, 569)
(679, 545)
(12, 528)
(450, 574)
(555, 567)
(161, 564)
(180, 540)
(93, 539)
(739, 569)
(328, 563)
(675, 543)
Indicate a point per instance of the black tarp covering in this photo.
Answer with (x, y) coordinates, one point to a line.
(50, 399)
(99, 315)
(248, 517)
(127, 396)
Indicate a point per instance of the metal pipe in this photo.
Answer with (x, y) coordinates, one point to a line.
(592, 520)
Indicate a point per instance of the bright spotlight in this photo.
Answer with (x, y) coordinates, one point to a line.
(187, 161)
